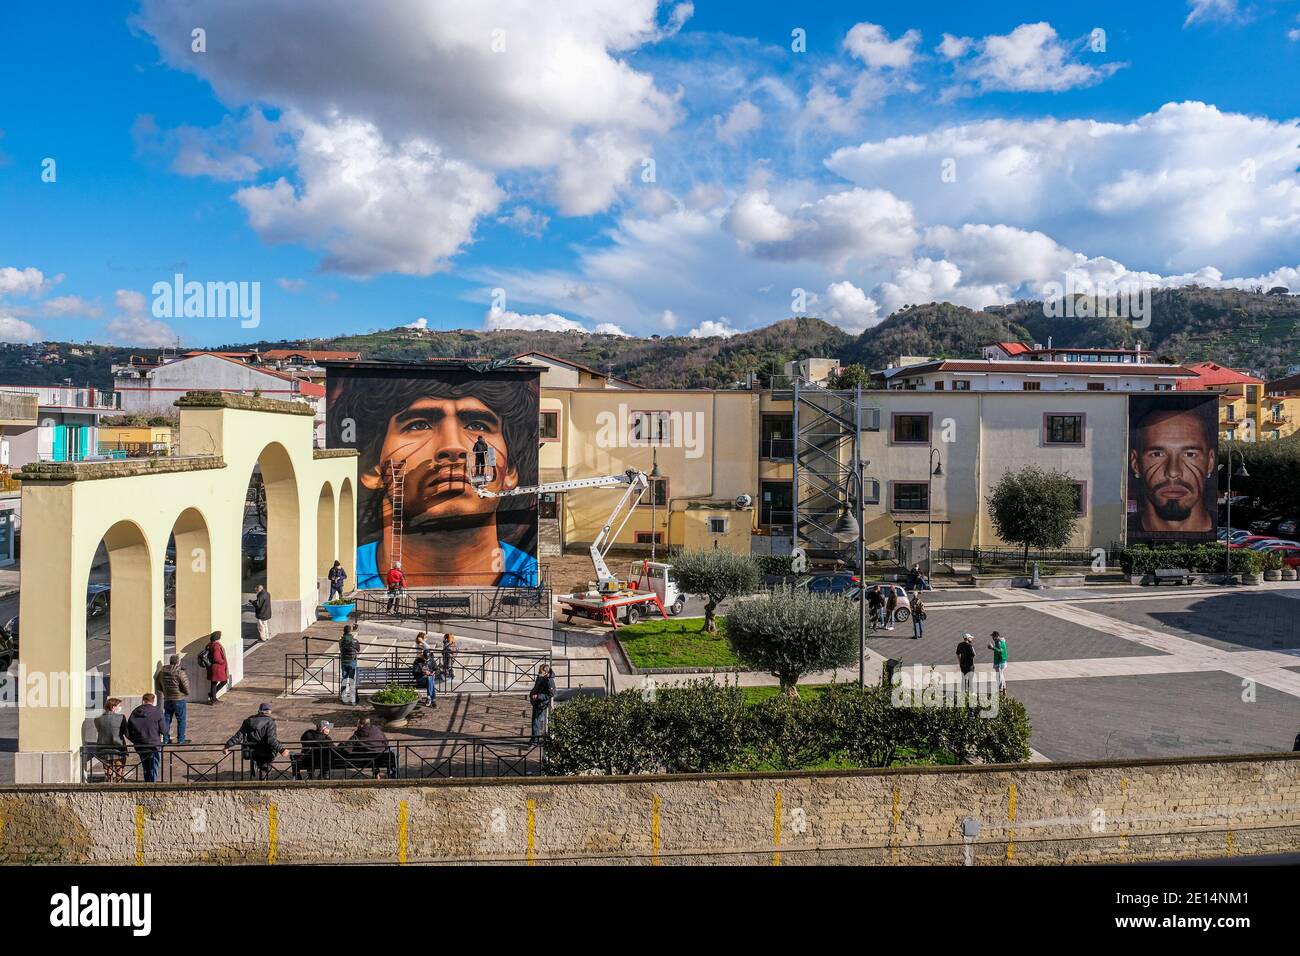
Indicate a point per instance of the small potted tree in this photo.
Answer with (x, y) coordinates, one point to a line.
(1273, 566)
(394, 704)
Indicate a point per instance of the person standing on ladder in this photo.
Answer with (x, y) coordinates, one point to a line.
(480, 450)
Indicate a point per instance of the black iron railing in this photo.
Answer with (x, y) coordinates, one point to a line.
(446, 756)
(436, 604)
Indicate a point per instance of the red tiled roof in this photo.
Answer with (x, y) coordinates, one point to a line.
(1211, 373)
(311, 355)
(1048, 368)
(1014, 348)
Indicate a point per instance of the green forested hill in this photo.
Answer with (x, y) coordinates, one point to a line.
(1245, 330)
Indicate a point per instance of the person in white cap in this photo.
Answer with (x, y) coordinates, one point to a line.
(966, 662)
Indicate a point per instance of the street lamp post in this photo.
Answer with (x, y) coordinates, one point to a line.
(1241, 472)
(934, 469)
(654, 500)
(846, 529)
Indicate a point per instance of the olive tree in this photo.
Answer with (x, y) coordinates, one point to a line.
(1035, 508)
(789, 633)
(718, 575)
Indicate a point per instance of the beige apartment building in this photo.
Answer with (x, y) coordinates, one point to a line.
(712, 448)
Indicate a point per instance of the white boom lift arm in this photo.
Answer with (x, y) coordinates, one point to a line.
(637, 484)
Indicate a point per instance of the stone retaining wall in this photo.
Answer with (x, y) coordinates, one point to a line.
(1107, 811)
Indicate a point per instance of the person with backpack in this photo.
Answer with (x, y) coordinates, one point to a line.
(213, 659)
(918, 615)
(349, 649)
(337, 577)
(998, 645)
(259, 740)
(173, 687)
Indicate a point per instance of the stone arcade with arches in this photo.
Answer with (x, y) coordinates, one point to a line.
(134, 507)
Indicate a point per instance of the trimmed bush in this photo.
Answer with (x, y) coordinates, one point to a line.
(1201, 558)
(706, 727)
(790, 633)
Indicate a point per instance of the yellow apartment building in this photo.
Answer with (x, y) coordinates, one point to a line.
(714, 448)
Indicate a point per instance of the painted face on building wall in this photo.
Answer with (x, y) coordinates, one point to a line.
(434, 437)
(1173, 459)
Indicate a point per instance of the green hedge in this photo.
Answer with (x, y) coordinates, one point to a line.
(702, 726)
(1202, 558)
(775, 563)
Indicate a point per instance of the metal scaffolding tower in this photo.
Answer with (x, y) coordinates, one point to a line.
(828, 426)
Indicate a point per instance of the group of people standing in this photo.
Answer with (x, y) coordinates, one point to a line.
(434, 666)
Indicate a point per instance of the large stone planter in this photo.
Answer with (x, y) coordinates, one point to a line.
(1273, 575)
(1252, 579)
(394, 715)
(1289, 574)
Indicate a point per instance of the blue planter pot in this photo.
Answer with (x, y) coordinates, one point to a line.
(339, 612)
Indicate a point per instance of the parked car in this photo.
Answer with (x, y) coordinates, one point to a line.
(8, 643)
(1266, 525)
(1251, 539)
(254, 550)
(1270, 544)
(829, 582)
(98, 604)
(1290, 555)
(1287, 527)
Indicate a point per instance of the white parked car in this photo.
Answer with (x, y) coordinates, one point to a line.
(904, 604)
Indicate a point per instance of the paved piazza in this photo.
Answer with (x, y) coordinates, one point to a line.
(1124, 672)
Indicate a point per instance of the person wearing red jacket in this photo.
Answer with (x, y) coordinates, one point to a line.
(396, 583)
(218, 669)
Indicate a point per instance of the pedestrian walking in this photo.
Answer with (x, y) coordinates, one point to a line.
(337, 578)
(998, 645)
(966, 662)
(173, 687)
(145, 730)
(259, 741)
(541, 697)
(262, 611)
(395, 581)
(891, 609)
(918, 615)
(111, 741)
(213, 659)
(349, 648)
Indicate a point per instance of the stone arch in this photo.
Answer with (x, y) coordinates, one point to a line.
(135, 610)
(195, 579)
(326, 535)
(347, 534)
(283, 523)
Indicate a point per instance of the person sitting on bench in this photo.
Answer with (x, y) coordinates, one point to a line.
(368, 747)
(318, 752)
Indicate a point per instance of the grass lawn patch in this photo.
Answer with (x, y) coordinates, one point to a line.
(677, 642)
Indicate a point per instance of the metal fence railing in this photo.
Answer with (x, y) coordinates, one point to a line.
(436, 604)
(444, 756)
(473, 671)
(981, 558)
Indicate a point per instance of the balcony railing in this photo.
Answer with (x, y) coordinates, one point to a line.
(61, 396)
(777, 449)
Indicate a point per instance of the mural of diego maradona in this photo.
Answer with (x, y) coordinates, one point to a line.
(427, 420)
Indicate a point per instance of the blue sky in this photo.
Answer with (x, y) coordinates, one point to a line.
(625, 166)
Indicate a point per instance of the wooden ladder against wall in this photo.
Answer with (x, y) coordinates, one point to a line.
(397, 482)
